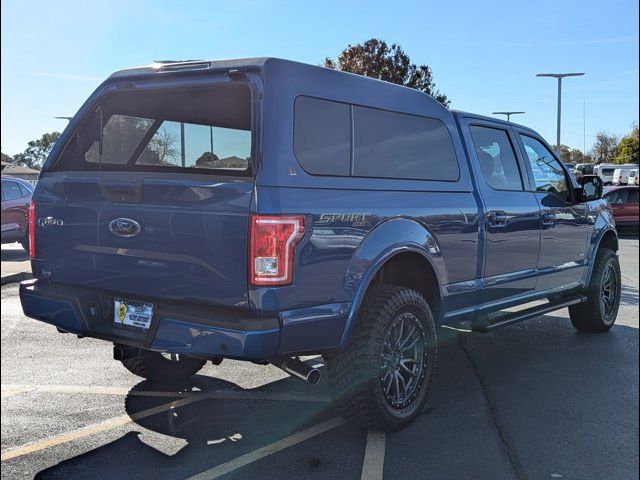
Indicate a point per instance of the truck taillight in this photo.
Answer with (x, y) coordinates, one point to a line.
(272, 244)
(32, 229)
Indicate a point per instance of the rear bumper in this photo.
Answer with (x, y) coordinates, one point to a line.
(186, 329)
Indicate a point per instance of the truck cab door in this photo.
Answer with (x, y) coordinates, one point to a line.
(565, 223)
(510, 227)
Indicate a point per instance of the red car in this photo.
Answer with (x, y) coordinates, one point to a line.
(16, 195)
(624, 201)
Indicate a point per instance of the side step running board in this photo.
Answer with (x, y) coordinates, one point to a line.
(504, 319)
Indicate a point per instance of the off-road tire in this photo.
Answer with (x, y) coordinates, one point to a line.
(354, 374)
(592, 315)
(154, 367)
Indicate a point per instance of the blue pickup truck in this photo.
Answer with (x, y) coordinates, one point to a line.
(264, 210)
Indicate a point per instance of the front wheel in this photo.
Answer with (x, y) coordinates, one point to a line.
(599, 312)
(159, 367)
(381, 380)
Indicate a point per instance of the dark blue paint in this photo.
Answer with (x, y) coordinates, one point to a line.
(192, 249)
(176, 336)
(56, 312)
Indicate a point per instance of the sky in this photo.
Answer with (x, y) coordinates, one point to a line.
(484, 55)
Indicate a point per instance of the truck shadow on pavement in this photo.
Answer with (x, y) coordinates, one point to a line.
(14, 255)
(509, 404)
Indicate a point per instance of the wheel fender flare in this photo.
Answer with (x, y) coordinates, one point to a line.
(388, 239)
(594, 246)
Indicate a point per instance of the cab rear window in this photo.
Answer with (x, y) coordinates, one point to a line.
(196, 130)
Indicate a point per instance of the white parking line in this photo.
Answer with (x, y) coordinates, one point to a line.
(12, 390)
(373, 464)
(263, 452)
(93, 429)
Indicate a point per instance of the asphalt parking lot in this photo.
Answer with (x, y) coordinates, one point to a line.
(535, 400)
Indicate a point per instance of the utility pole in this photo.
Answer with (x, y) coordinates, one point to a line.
(508, 114)
(559, 76)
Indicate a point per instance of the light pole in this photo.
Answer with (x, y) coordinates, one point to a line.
(559, 76)
(68, 119)
(508, 114)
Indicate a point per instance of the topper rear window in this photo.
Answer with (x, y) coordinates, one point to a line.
(199, 130)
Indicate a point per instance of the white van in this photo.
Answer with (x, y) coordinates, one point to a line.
(633, 177)
(605, 172)
(621, 175)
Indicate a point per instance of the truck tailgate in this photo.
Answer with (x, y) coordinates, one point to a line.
(146, 234)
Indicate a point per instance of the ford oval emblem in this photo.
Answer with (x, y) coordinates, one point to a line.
(124, 227)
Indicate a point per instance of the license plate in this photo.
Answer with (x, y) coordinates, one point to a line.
(132, 315)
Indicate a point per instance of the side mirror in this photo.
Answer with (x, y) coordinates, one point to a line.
(591, 188)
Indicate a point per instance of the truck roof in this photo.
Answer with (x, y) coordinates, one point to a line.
(312, 76)
(308, 73)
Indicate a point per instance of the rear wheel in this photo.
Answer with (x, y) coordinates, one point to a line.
(381, 380)
(599, 312)
(160, 367)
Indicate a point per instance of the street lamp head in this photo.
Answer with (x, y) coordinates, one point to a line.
(508, 114)
(559, 75)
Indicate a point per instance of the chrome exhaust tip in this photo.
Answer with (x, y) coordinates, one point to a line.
(298, 369)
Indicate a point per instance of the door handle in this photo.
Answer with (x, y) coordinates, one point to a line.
(548, 219)
(499, 219)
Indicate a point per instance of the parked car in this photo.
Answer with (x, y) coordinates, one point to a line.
(571, 168)
(355, 218)
(624, 201)
(633, 177)
(621, 174)
(584, 169)
(16, 195)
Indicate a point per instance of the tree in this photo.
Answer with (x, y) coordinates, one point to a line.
(628, 150)
(604, 147)
(572, 155)
(6, 158)
(207, 160)
(565, 153)
(375, 59)
(165, 147)
(37, 151)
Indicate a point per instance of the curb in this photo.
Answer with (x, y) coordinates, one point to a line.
(15, 277)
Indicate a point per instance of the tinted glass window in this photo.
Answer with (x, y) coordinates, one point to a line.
(24, 190)
(547, 172)
(176, 144)
(497, 158)
(617, 196)
(322, 136)
(164, 130)
(396, 145)
(10, 190)
(633, 196)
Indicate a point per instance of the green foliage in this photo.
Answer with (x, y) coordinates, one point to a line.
(604, 148)
(375, 59)
(37, 151)
(572, 155)
(628, 149)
